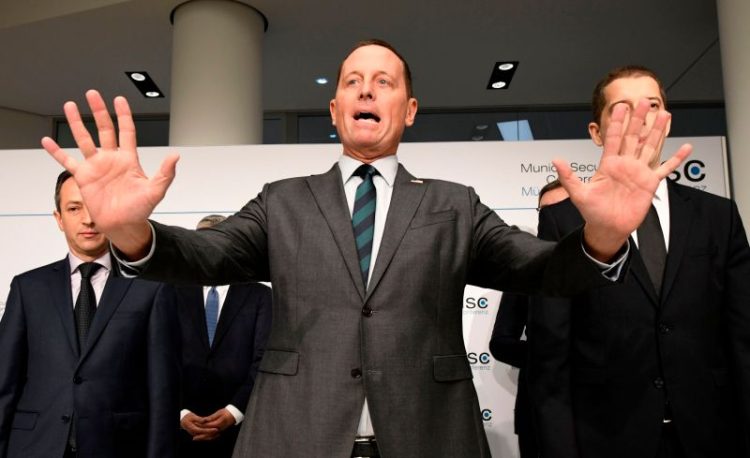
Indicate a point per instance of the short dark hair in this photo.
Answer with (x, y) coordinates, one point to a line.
(62, 178)
(599, 101)
(554, 184)
(388, 46)
(211, 220)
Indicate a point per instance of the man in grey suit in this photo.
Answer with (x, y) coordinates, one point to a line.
(368, 265)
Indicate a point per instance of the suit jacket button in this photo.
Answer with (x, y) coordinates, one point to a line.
(356, 373)
(367, 311)
(658, 383)
(665, 328)
(65, 418)
(77, 379)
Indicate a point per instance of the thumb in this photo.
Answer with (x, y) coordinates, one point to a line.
(567, 178)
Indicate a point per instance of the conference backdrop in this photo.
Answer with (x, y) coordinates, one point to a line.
(506, 175)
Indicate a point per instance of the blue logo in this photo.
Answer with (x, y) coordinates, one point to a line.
(694, 171)
(476, 302)
(481, 358)
(486, 415)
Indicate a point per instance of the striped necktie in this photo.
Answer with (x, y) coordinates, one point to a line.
(212, 313)
(363, 217)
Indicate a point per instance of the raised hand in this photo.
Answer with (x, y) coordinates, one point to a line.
(616, 200)
(118, 194)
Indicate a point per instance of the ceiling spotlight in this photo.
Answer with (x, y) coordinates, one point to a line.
(481, 127)
(321, 80)
(477, 138)
(502, 73)
(331, 136)
(145, 84)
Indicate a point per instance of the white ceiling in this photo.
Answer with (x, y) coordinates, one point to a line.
(53, 50)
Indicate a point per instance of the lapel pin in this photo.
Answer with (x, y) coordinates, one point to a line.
(417, 181)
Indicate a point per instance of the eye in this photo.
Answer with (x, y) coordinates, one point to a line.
(352, 82)
(73, 210)
(384, 82)
(655, 105)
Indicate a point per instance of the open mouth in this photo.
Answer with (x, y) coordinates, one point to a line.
(366, 115)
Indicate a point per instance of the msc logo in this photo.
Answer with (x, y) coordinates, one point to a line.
(481, 358)
(486, 415)
(692, 170)
(476, 302)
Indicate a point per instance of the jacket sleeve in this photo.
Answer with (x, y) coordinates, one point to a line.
(13, 358)
(549, 365)
(163, 375)
(737, 300)
(506, 344)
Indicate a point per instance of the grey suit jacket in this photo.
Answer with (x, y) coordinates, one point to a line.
(399, 343)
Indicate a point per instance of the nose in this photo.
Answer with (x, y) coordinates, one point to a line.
(366, 91)
(86, 217)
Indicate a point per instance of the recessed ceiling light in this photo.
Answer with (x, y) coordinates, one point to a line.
(477, 138)
(145, 84)
(480, 126)
(502, 73)
(332, 136)
(321, 80)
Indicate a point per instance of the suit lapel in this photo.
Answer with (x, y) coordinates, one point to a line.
(680, 222)
(193, 303)
(114, 290)
(62, 297)
(404, 203)
(328, 192)
(639, 271)
(232, 306)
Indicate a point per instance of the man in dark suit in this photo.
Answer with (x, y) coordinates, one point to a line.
(506, 344)
(77, 385)
(224, 332)
(660, 364)
(368, 265)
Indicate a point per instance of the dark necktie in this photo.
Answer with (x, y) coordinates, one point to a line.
(212, 313)
(652, 248)
(363, 217)
(86, 303)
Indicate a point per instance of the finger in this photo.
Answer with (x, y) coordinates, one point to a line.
(670, 164)
(164, 177)
(652, 146)
(107, 137)
(614, 134)
(205, 437)
(631, 144)
(80, 133)
(125, 123)
(567, 178)
(57, 153)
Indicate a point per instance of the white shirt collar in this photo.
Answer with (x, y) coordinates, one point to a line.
(387, 167)
(104, 260)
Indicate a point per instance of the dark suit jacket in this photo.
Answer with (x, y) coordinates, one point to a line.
(122, 387)
(606, 361)
(400, 343)
(225, 372)
(506, 346)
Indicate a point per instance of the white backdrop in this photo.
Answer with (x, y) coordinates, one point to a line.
(506, 175)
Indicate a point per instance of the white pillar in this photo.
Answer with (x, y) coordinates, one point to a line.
(216, 74)
(734, 36)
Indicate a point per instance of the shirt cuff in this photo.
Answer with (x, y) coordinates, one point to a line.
(131, 269)
(613, 270)
(184, 412)
(238, 416)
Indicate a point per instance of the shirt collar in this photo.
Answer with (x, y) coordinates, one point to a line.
(387, 167)
(661, 191)
(104, 260)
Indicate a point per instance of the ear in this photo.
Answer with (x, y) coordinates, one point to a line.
(58, 219)
(595, 133)
(332, 109)
(411, 111)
